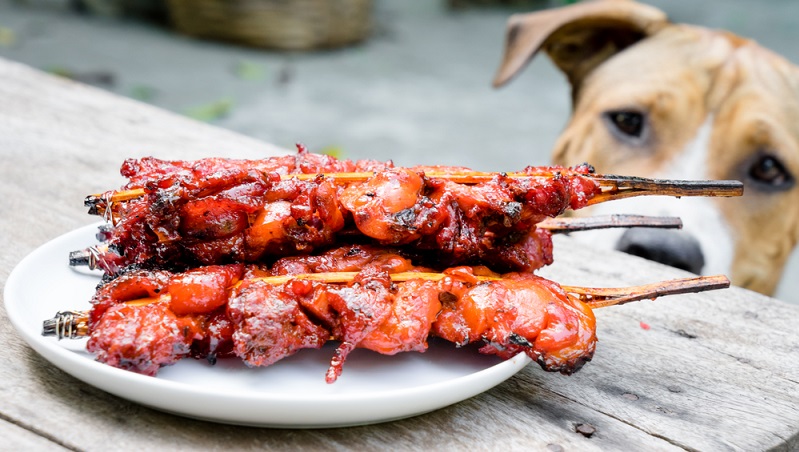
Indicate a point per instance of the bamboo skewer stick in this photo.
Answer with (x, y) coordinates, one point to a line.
(620, 187)
(74, 324)
(576, 224)
(613, 187)
(346, 277)
(604, 297)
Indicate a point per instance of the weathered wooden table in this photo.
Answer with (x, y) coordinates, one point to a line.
(713, 371)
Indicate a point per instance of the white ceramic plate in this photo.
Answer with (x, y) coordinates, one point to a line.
(290, 394)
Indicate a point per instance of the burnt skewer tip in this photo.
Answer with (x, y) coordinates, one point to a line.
(79, 257)
(67, 324)
(88, 257)
(97, 204)
(619, 187)
(92, 200)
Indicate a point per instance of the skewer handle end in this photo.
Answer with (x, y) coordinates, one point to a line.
(67, 324)
(89, 257)
(80, 258)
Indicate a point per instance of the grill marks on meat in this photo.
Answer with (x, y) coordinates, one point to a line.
(215, 211)
(361, 308)
(270, 325)
(262, 323)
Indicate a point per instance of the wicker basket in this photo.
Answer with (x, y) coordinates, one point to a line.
(276, 24)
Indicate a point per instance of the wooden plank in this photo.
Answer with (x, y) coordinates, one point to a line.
(16, 437)
(713, 371)
(513, 415)
(708, 366)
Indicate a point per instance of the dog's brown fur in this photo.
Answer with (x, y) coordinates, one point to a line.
(686, 81)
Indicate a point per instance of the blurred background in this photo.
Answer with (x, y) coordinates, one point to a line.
(414, 86)
(402, 80)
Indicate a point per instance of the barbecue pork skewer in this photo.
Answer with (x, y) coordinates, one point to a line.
(212, 174)
(364, 297)
(534, 252)
(215, 210)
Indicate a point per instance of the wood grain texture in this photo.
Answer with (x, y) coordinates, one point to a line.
(714, 371)
(18, 438)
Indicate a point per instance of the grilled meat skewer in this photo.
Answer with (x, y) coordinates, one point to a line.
(362, 297)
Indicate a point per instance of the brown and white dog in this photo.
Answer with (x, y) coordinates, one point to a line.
(657, 99)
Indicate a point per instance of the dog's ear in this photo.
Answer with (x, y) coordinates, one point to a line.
(577, 37)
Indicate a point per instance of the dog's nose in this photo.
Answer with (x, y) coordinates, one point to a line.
(674, 248)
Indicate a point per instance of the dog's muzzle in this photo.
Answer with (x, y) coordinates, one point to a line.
(677, 249)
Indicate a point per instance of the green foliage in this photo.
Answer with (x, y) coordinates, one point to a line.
(143, 93)
(333, 151)
(7, 37)
(249, 70)
(211, 111)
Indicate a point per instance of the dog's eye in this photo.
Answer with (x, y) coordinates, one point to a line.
(629, 123)
(769, 171)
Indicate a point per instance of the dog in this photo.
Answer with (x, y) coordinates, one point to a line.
(657, 99)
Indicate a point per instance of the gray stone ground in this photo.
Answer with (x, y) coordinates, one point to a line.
(417, 92)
